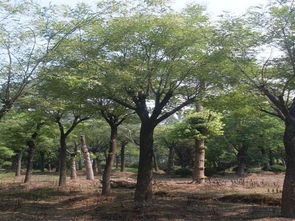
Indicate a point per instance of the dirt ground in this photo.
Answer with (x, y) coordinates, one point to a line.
(255, 197)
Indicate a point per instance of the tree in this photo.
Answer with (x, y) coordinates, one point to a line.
(153, 64)
(273, 79)
(199, 126)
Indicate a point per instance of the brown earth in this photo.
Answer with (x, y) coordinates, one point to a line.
(255, 197)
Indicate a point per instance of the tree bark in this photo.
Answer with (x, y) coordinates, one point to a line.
(106, 178)
(122, 154)
(42, 161)
(242, 154)
(18, 164)
(87, 160)
(170, 159)
(156, 165)
(62, 161)
(73, 169)
(288, 196)
(94, 167)
(199, 162)
(32, 147)
(143, 192)
(117, 161)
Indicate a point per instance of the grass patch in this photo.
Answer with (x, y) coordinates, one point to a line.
(5, 175)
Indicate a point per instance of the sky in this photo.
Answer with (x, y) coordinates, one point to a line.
(214, 7)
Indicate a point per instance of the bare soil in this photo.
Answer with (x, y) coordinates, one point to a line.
(254, 197)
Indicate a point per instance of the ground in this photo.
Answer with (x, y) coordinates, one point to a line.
(254, 197)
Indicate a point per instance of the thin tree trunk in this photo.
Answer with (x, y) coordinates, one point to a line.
(143, 192)
(156, 165)
(73, 169)
(122, 153)
(62, 161)
(98, 165)
(170, 159)
(87, 160)
(106, 184)
(288, 196)
(32, 147)
(117, 161)
(18, 164)
(42, 161)
(199, 162)
(94, 167)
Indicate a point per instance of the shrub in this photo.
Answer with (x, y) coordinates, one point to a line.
(277, 168)
(183, 172)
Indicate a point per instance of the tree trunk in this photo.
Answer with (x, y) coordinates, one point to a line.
(117, 161)
(87, 160)
(265, 164)
(49, 168)
(62, 161)
(42, 161)
(199, 162)
(122, 153)
(242, 154)
(106, 178)
(288, 197)
(73, 168)
(170, 159)
(143, 192)
(98, 165)
(80, 164)
(156, 166)
(271, 158)
(31, 150)
(94, 167)
(18, 164)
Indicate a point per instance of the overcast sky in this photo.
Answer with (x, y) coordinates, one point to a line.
(214, 7)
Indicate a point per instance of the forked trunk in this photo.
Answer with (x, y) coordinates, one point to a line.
(106, 178)
(288, 197)
(199, 162)
(87, 160)
(62, 161)
(143, 192)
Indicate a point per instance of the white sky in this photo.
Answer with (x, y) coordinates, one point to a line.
(214, 7)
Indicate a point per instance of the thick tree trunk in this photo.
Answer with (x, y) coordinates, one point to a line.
(122, 154)
(242, 155)
(87, 160)
(156, 165)
(170, 159)
(62, 161)
(18, 164)
(73, 169)
(31, 150)
(143, 192)
(288, 197)
(199, 162)
(106, 178)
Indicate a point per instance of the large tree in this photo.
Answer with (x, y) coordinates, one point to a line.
(268, 73)
(154, 64)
